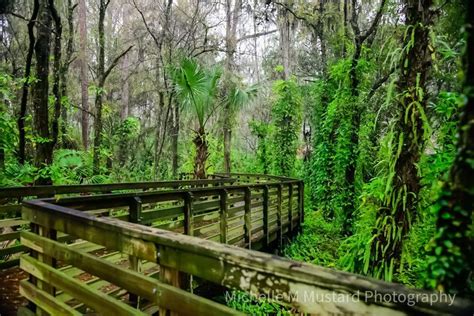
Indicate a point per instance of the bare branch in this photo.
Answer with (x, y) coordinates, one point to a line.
(246, 37)
(115, 63)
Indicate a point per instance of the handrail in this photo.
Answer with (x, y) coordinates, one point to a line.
(305, 287)
(9, 213)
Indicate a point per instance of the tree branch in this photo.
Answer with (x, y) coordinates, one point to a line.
(375, 22)
(246, 37)
(115, 63)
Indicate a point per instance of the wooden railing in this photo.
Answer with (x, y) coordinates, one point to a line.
(11, 198)
(122, 268)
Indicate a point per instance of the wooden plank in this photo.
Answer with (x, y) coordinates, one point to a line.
(12, 250)
(12, 222)
(45, 301)
(162, 294)
(97, 300)
(14, 208)
(9, 236)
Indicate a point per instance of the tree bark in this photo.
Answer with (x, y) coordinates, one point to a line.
(100, 86)
(56, 73)
(40, 88)
(202, 154)
(83, 72)
(232, 20)
(65, 70)
(26, 84)
(456, 204)
(401, 202)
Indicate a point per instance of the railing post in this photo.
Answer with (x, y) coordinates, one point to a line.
(266, 202)
(290, 208)
(134, 216)
(248, 217)
(223, 216)
(301, 204)
(279, 220)
(188, 214)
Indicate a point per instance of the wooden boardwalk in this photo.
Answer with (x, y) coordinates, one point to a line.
(143, 250)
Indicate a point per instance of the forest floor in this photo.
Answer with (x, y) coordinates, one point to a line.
(10, 298)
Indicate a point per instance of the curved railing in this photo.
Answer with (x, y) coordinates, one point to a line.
(11, 197)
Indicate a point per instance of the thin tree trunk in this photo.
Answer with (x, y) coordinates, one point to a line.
(26, 84)
(232, 20)
(40, 88)
(174, 140)
(100, 87)
(56, 73)
(65, 70)
(125, 109)
(83, 72)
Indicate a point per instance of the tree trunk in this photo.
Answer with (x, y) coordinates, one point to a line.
(100, 87)
(125, 109)
(56, 73)
(453, 249)
(174, 140)
(232, 20)
(40, 88)
(26, 84)
(284, 27)
(401, 202)
(83, 72)
(201, 154)
(65, 70)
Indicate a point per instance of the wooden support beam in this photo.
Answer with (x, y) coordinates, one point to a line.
(266, 202)
(223, 216)
(290, 208)
(135, 216)
(279, 218)
(188, 214)
(248, 217)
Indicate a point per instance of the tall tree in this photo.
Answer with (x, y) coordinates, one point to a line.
(197, 88)
(56, 73)
(83, 73)
(232, 20)
(65, 69)
(452, 254)
(40, 89)
(399, 207)
(102, 75)
(26, 83)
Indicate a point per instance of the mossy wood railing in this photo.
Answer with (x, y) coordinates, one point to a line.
(119, 260)
(11, 198)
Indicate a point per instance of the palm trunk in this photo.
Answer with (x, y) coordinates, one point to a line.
(201, 154)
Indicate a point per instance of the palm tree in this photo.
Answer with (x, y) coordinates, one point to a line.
(196, 88)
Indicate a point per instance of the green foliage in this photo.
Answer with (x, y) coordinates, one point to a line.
(252, 305)
(196, 87)
(318, 243)
(286, 116)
